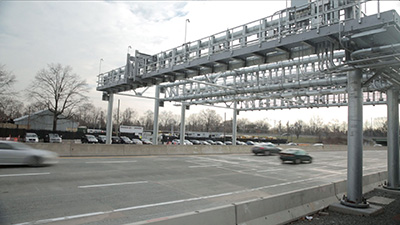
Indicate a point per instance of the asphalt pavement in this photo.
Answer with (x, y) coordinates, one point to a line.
(120, 190)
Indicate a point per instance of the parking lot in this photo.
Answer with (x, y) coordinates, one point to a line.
(118, 190)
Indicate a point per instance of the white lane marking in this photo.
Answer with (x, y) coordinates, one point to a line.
(200, 166)
(62, 218)
(169, 202)
(270, 170)
(113, 184)
(112, 162)
(219, 160)
(23, 174)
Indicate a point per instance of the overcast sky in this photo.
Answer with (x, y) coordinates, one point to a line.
(77, 33)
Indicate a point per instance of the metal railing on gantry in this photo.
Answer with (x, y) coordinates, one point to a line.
(319, 28)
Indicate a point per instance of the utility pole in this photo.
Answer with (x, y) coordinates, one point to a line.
(117, 128)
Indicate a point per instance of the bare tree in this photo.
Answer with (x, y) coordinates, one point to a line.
(211, 119)
(128, 117)
(242, 124)
(279, 127)
(60, 89)
(168, 120)
(262, 126)
(147, 120)
(10, 108)
(34, 107)
(298, 128)
(381, 124)
(7, 80)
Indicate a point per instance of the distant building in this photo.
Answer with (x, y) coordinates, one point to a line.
(43, 120)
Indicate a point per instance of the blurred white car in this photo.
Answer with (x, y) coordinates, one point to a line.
(31, 137)
(16, 153)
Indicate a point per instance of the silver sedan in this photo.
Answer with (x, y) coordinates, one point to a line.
(16, 153)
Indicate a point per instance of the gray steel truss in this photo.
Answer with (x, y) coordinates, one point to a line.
(322, 54)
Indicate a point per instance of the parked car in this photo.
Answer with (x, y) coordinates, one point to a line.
(195, 142)
(205, 143)
(88, 138)
(115, 140)
(125, 140)
(219, 143)
(16, 153)
(178, 142)
(295, 155)
(240, 143)
(137, 141)
(266, 149)
(228, 142)
(102, 139)
(31, 137)
(211, 142)
(250, 143)
(53, 138)
(146, 142)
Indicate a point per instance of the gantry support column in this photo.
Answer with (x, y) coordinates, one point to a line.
(393, 139)
(355, 142)
(156, 113)
(182, 130)
(234, 124)
(109, 118)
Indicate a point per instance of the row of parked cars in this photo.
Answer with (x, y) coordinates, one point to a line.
(209, 142)
(294, 155)
(51, 138)
(91, 139)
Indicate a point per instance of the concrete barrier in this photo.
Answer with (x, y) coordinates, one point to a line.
(224, 215)
(279, 209)
(77, 149)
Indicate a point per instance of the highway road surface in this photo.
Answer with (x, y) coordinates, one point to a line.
(120, 190)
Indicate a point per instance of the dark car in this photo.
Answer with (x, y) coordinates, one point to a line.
(250, 143)
(115, 140)
(295, 155)
(265, 149)
(88, 138)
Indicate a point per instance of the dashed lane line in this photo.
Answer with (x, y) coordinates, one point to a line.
(112, 184)
(23, 174)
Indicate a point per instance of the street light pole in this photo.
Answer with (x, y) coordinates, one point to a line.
(100, 65)
(186, 21)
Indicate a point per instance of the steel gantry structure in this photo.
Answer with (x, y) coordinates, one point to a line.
(318, 54)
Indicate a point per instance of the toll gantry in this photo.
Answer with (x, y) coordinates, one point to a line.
(317, 54)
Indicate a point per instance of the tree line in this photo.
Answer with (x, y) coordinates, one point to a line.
(61, 91)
